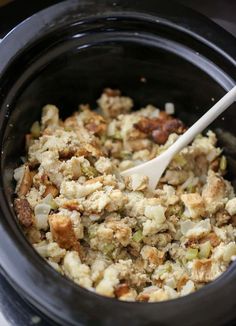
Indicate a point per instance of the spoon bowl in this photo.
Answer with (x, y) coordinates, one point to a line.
(154, 168)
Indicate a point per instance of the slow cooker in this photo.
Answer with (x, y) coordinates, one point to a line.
(66, 55)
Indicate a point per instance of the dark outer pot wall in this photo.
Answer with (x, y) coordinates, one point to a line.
(65, 55)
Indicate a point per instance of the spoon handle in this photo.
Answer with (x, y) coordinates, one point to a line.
(204, 121)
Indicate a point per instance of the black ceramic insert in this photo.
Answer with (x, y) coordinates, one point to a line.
(66, 55)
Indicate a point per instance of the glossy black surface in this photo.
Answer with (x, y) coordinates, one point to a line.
(16, 311)
(66, 55)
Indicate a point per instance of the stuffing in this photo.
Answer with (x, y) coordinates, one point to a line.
(136, 182)
(167, 195)
(72, 189)
(71, 168)
(23, 177)
(160, 127)
(212, 238)
(24, 212)
(112, 234)
(112, 104)
(159, 295)
(74, 269)
(231, 206)
(229, 252)
(188, 288)
(50, 250)
(50, 116)
(100, 238)
(195, 229)
(136, 204)
(174, 177)
(225, 252)
(76, 222)
(33, 235)
(159, 239)
(112, 276)
(155, 219)
(50, 166)
(110, 280)
(125, 165)
(121, 231)
(214, 193)
(153, 294)
(117, 201)
(96, 202)
(205, 270)
(126, 294)
(152, 255)
(194, 205)
(92, 121)
(182, 281)
(51, 189)
(56, 266)
(41, 212)
(62, 232)
(18, 176)
(222, 217)
(34, 196)
(104, 165)
(98, 267)
(122, 290)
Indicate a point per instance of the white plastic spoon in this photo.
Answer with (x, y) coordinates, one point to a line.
(155, 167)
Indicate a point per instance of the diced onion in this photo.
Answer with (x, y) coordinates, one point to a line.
(49, 200)
(188, 288)
(35, 129)
(41, 212)
(205, 249)
(185, 226)
(229, 251)
(169, 108)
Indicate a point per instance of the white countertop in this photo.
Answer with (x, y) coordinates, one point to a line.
(3, 321)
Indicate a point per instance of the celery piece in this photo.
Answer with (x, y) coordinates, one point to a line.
(180, 160)
(176, 210)
(103, 139)
(162, 270)
(35, 129)
(53, 205)
(191, 253)
(108, 248)
(126, 155)
(117, 135)
(223, 163)
(92, 231)
(137, 236)
(89, 171)
(191, 189)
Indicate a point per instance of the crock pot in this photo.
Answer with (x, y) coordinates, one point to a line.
(155, 51)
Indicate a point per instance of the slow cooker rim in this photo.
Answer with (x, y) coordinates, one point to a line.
(43, 18)
(199, 294)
